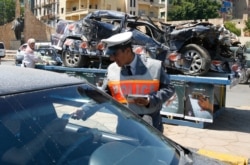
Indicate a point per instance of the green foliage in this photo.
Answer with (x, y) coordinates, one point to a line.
(232, 28)
(193, 9)
(247, 23)
(7, 11)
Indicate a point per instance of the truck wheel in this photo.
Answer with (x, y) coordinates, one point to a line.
(196, 59)
(73, 60)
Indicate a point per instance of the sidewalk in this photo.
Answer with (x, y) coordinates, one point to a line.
(229, 134)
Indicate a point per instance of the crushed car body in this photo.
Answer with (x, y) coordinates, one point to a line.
(191, 49)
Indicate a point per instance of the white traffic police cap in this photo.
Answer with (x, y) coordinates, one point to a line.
(116, 41)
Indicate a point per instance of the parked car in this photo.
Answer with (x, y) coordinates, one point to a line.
(47, 52)
(20, 53)
(2, 50)
(39, 102)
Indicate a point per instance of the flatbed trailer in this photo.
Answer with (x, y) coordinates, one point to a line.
(184, 107)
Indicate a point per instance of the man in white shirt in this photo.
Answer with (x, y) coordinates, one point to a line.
(30, 59)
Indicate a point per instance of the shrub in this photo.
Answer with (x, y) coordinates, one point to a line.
(247, 25)
(232, 28)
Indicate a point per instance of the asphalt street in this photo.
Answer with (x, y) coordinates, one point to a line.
(228, 134)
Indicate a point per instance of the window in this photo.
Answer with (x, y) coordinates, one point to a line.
(151, 14)
(132, 3)
(162, 14)
(1, 46)
(62, 10)
(141, 12)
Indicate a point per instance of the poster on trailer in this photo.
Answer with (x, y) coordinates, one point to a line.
(199, 102)
(175, 105)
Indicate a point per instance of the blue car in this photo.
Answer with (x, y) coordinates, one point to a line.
(38, 125)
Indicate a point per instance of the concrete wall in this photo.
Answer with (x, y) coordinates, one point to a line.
(7, 35)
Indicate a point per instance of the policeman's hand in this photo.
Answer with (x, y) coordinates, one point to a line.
(78, 114)
(170, 100)
(141, 101)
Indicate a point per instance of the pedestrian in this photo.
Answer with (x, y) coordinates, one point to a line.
(30, 58)
(132, 75)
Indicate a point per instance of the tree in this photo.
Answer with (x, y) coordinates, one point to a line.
(7, 11)
(247, 23)
(193, 9)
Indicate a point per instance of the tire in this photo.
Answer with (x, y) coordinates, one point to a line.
(196, 58)
(74, 60)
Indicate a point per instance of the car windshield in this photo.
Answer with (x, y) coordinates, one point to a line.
(107, 133)
(1, 46)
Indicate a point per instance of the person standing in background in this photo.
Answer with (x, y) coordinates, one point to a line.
(30, 59)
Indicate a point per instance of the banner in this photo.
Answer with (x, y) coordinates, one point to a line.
(175, 105)
(199, 104)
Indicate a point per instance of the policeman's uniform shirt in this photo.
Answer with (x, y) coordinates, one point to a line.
(133, 65)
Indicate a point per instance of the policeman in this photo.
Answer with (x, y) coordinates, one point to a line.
(135, 75)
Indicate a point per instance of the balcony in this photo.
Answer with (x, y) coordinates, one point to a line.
(52, 1)
(155, 3)
(37, 6)
(51, 16)
(44, 18)
(77, 11)
(45, 4)
(48, 17)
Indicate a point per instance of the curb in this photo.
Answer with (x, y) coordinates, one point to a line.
(9, 55)
(7, 59)
(227, 158)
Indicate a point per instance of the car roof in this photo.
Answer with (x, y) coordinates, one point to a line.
(15, 79)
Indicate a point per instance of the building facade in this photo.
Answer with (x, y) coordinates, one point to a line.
(235, 9)
(48, 11)
(77, 9)
(240, 8)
